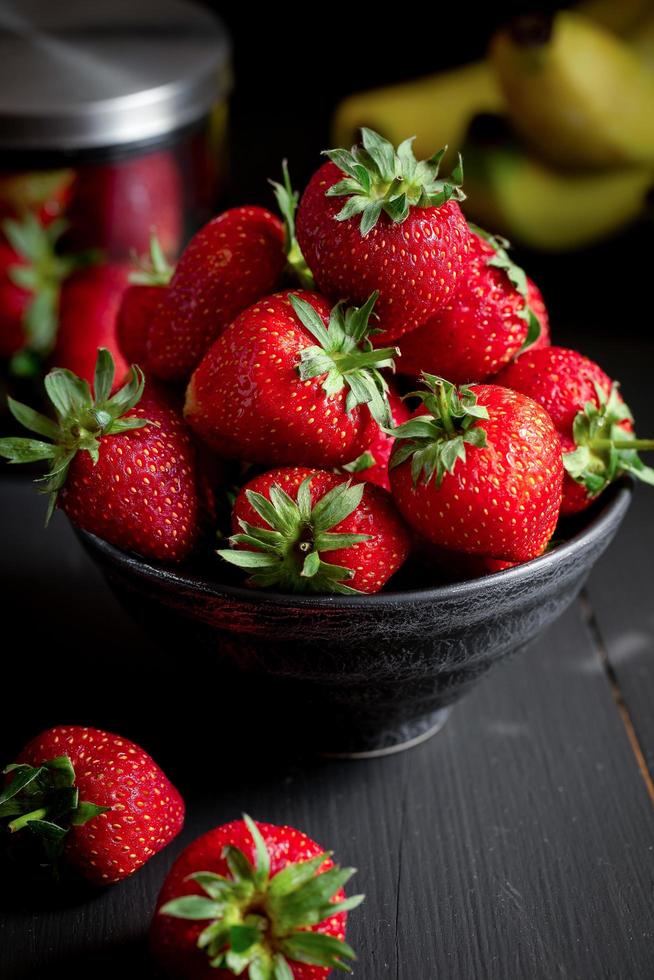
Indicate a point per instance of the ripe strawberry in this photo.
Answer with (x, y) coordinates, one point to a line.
(287, 520)
(117, 206)
(88, 308)
(31, 274)
(479, 470)
(45, 193)
(231, 262)
(139, 302)
(483, 325)
(372, 465)
(94, 799)
(123, 464)
(281, 387)
(594, 424)
(412, 241)
(253, 900)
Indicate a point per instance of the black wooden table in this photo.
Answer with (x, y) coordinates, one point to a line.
(518, 843)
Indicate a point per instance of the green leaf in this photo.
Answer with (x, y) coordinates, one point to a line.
(317, 949)
(19, 450)
(238, 864)
(104, 376)
(32, 420)
(311, 565)
(262, 856)
(293, 876)
(194, 907)
(216, 886)
(20, 781)
(311, 320)
(87, 811)
(281, 969)
(241, 938)
(361, 463)
(336, 505)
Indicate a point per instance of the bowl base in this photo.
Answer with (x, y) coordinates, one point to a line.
(408, 736)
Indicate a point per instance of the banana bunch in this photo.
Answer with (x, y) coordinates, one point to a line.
(576, 160)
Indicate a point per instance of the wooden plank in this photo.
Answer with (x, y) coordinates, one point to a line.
(517, 843)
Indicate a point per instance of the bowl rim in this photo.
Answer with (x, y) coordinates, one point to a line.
(612, 511)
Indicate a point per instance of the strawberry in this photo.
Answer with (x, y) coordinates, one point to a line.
(231, 262)
(483, 325)
(117, 206)
(122, 464)
(93, 799)
(291, 382)
(253, 900)
(411, 243)
(88, 307)
(139, 302)
(31, 274)
(45, 193)
(287, 520)
(594, 425)
(479, 470)
(372, 465)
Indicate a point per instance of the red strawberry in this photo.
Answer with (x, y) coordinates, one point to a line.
(231, 262)
(117, 206)
(594, 424)
(93, 798)
(139, 302)
(302, 530)
(88, 308)
(45, 193)
(123, 464)
(289, 382)
(31, 274)
(483, 325)
(372, 465)
(479, 470)
(256, 900)
(412, 241)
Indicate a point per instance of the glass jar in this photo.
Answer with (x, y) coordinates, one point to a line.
(113, 119)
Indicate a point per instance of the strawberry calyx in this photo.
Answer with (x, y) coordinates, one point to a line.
(288, 551)
(287, 202)
(41, 274)
(259, 924)
(437, 440)
(81, 421)
(361, 463)
(346, 357)
(604, 449)
(518, 279)
(153, 269)
(380, 178)
(44, 800)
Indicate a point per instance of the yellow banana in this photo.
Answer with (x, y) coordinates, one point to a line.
(577, 94)
(436, 109)
(545, 209)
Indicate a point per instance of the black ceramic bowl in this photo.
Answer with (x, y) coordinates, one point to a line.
(356, 675)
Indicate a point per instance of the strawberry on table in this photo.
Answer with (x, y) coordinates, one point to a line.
(594, 424)
(302, 530)
(253, 900)
(372, 465)
(374, 218)
(479, 470)
(117, 206)
(88, 307)
(121, 466)
(484, 324)
(93, 799)
(292, 382)
(231, 262)
(146, 290)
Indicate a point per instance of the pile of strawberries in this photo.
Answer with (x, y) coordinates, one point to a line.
(245, 899)
(284, 340)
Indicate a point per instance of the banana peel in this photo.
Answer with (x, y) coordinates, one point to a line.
(621, 17)
(437, 109)
(577, 95)
(552, 211)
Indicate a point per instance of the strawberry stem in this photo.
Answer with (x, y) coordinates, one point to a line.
(444, 411)
(642, 445)
(25, 818)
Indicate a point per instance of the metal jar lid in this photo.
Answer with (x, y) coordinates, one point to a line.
(84, 74)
